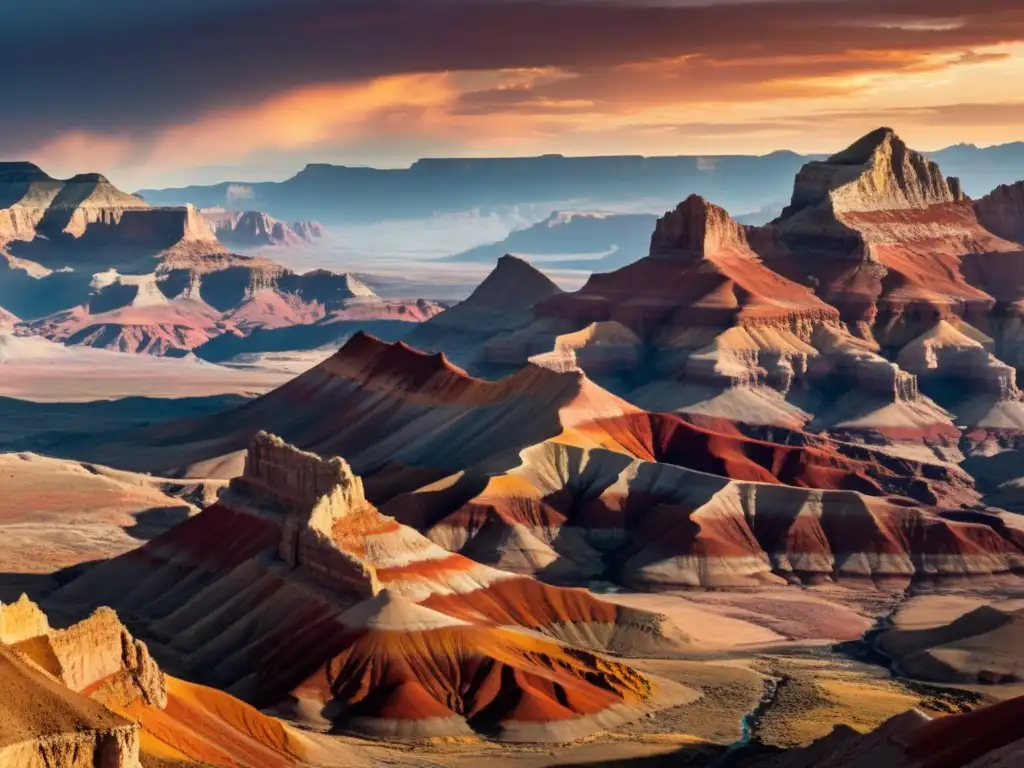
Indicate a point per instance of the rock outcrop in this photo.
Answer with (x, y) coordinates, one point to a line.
(87, 208)
(54, 683)
(699, 229)
(876, 173)
(91, 696)
(249, 229)
(46, 725)
(28, 191)
(22, 620)
(1001, 211)
(315, 495)
(99, 655)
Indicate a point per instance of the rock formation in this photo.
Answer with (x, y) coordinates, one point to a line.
(501, 304)
(544, 473)
(47, 725)
(250, 229)
(296, 519)
(877, 307)
(91, 695)
(99, 655)
(315, 496)
(876, 173)
(1002, 211)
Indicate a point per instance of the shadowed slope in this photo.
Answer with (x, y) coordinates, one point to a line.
(382, 404)
(95, 696)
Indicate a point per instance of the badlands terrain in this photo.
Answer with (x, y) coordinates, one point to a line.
(751, 498)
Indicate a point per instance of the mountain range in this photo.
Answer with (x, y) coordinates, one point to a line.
(744, 184)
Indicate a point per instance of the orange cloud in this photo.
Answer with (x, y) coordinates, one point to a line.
(304, 118)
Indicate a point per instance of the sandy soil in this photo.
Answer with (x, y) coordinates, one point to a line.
(722, 622)
(57, 514)
(126, 375)
(929, 611)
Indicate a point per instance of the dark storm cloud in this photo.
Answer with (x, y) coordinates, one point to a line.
(134, 66)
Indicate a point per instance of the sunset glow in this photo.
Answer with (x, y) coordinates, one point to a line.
(282, 84)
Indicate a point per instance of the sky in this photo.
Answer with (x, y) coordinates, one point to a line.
(157, 94)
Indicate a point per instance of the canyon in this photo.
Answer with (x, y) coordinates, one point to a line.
(752, 498)
(84, 264)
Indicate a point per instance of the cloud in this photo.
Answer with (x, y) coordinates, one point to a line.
(226, 81)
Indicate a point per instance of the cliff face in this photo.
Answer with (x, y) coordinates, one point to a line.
(255, 228)
(314, 494)
(28, 192)
(89, 206)
(98, 655)
(58, 686)
(1002, 211)
(699, 228)
(876, 173)
(22, 620)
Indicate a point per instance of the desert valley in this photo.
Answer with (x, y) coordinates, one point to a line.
(752, 496)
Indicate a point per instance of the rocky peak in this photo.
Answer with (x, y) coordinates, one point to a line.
(307, 230)
(21, 620)
(1001, 211)
(22, 172)
(333, 289)
(513, 286)
(97, 654)
(877, 172)
(88, 178)
(697, 227)
(282, 477)
(254, 228)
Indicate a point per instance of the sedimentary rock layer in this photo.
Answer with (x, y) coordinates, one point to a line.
(391, 620)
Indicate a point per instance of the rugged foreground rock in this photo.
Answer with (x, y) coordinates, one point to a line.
(92, 696)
